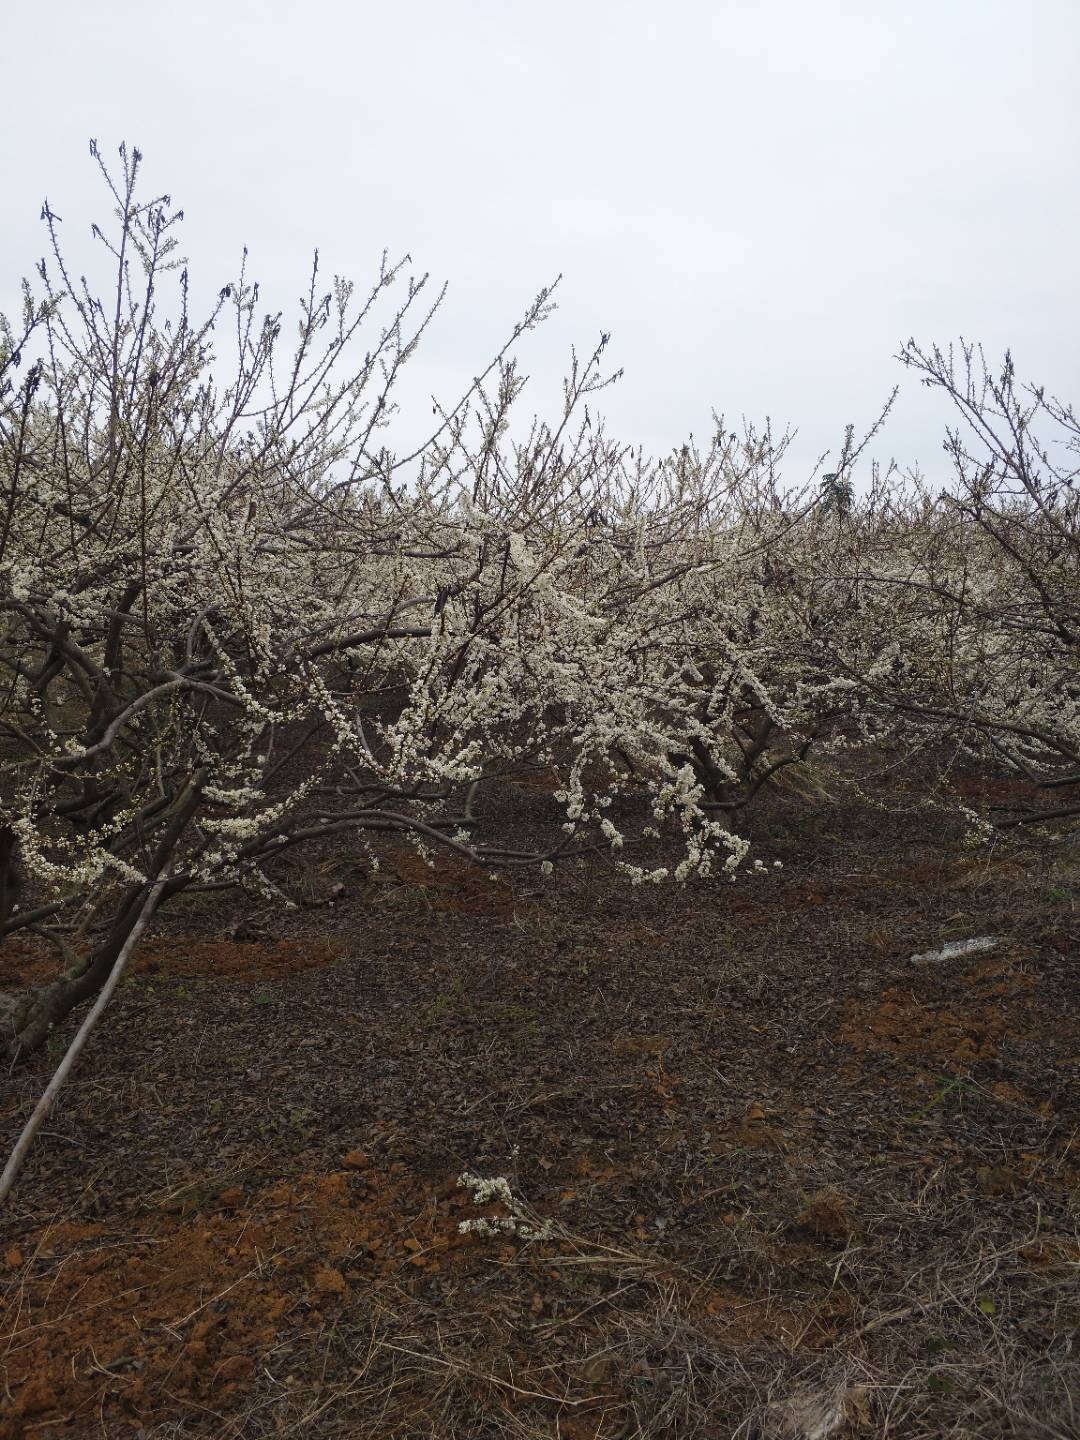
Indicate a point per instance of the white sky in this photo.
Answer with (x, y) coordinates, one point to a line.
(760, 200)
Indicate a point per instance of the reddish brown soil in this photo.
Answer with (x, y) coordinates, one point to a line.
(773, 1149)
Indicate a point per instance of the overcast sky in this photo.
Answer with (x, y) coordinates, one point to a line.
(759, 199)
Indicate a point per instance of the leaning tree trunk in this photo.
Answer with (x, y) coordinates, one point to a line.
(41, 1110)
(28, 1022)
(31, 1021)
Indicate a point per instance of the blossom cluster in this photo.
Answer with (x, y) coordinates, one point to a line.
(518, 1221)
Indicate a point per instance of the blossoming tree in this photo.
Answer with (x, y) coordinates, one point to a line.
(235, 622)
(232, 628)
(964, 633)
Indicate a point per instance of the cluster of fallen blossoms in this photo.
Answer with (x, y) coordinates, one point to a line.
(518, 1220)
(236, 622)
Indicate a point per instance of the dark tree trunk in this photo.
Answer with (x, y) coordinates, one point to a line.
(10, 873)
(26, 1023)
(30, 1022)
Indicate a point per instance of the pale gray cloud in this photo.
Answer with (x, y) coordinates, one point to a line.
(759, 200)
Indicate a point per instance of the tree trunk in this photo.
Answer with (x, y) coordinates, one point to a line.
(10, 874)
(32, 1020)
(28, 1023)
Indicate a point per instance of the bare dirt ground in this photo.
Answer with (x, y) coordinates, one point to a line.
(787, 1181)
